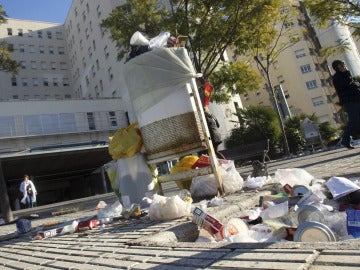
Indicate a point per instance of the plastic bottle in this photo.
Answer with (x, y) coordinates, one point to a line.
(70, 228)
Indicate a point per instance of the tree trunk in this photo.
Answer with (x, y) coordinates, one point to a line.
(4, 199)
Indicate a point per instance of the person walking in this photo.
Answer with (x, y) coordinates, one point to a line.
(29, 192)
(348, 91)
(215, 135)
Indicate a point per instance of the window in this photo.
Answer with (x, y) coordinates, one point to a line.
(61, 50)
(15, 97)
(7, 126)
(87, 80)
(30, 33)
(45, 81)
(112, 119)
(10, 47)
(67, 122)
(311, 84)
(94, 45)
(91, 120)
(98, 10)
(55, 82)
(83, 62)
(32, 48)
(93, 70)
(43, 65)
(59, 35)
(20, 33)
(276, 64)
(288, 24)
(63, 65)
(97, 64)
(33, 64)
(9, 31)
(300, 53)
(41, 49)
(13, 81)
(24, 81)
(305, 68)
(65, 82)
(83, 16)
(21, 48)
(317, 101)
(49, 34)
(53, 65)
(89, 52)
(106, 52)
(23, 65)
(87, 33)
(39, 34)
(110, 73)
(101, 85)
(51, 49)
(35, 81)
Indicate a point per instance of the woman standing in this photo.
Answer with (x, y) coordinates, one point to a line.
(28, 189)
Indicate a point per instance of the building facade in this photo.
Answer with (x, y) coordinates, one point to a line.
(301, 75)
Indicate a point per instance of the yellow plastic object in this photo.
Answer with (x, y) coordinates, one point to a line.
(126, 142)
(183, 165)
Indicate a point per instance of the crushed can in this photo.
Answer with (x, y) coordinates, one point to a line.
(88, 224)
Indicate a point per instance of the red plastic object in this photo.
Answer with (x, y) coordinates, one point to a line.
(88, 224)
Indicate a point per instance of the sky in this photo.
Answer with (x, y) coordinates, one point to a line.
(54, 11)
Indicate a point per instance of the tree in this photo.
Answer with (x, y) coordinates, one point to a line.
(295, 136)
(339, 11)
(211, 27)
(256, 123)
(267, 45)
(235, 78)
(6, 63)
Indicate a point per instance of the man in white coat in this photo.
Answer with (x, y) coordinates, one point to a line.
(28, 189)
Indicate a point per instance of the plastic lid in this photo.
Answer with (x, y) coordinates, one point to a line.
(314, 232)
(309, 212)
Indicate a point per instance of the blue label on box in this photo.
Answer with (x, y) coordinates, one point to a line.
(353, 222)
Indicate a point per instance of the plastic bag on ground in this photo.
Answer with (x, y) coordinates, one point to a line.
(133, 179)
(110, 211)
(341, 186)
(206, 185)
(255, 182)
(168, 208)
(293, 176)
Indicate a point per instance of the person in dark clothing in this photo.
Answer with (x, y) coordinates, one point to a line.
(348, 90)
(215, 135)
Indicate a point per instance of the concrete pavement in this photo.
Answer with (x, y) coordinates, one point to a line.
(144, 244)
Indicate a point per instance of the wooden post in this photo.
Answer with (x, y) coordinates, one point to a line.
(210, 147)
(4, 198)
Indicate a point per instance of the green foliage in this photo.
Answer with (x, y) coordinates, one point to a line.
(328, 133)
(296, 139)
(209, 26)
(235, 78)
(344, 12)
(6, 63)
(135, 15)
(256, 123)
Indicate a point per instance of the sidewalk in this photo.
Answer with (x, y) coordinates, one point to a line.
(144, 244)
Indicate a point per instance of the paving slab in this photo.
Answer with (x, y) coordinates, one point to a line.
(140, 243)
